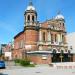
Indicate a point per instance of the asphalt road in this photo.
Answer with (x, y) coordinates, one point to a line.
(38, 70)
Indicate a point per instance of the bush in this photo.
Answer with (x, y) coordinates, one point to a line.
(31, 65)
(17, 60)
(25, 62)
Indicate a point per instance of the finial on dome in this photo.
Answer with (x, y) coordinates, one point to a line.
(30, 3)
(59, 15)
(30, 6)
(59, 12)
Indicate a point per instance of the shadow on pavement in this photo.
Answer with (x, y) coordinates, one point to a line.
(3, 74)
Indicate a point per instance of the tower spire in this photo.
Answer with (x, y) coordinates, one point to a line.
(58, 12)
(30, 3)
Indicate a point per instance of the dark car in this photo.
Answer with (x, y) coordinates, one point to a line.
(2, 64)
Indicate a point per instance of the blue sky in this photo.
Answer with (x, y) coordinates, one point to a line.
(12, 15)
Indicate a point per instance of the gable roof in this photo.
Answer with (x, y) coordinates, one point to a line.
(18, 34)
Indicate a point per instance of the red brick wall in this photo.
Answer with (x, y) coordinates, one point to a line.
(17, 40)
(17, 54)
(31, 36)
(38, 59)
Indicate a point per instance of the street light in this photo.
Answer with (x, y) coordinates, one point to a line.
(61, 55)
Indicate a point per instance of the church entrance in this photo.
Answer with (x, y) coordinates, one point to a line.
(64, 58)
(56, 58)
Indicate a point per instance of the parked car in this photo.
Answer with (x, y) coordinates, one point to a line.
(2, 64)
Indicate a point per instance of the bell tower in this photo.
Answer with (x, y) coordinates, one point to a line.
(30, 28)
(30, 15)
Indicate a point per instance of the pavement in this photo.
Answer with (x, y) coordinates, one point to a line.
(38, 70)
(12, 69)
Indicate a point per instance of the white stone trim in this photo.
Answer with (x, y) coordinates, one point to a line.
(40, 52)
(40, 35)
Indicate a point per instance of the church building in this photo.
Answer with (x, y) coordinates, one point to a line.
(42, 43)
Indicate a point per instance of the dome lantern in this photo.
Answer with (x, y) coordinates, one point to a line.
(59, 16)
(30, 6)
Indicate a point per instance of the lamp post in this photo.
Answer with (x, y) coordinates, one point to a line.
(61, 55)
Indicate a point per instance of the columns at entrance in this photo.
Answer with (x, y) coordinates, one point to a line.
(62, 58)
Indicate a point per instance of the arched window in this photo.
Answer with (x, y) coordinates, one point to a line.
(43, 36)
(63, 24)
(28, 17)
(33, 18)
(55, 37)
(60, 23)
(62, 38)
(51, 38)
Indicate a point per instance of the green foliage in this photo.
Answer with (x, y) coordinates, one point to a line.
(31, 65)
(17, 60)
(24, 62)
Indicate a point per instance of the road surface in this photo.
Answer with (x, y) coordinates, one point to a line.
(38, 70)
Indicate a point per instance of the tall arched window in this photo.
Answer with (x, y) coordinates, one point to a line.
(63, 24)
(28, 17)
(62, 38)
(51, 38)
(55, 37)
(33, 18)
(43, 36)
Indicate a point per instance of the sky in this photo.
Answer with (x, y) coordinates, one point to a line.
(12, 15)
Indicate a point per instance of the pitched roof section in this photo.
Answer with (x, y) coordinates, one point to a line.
(19, 34)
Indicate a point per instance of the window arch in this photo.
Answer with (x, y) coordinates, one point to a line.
(63, 24)
(28, 17)
(62, 38)
(55, 37)
(43, 36)
(33, 18)
(52, 38)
